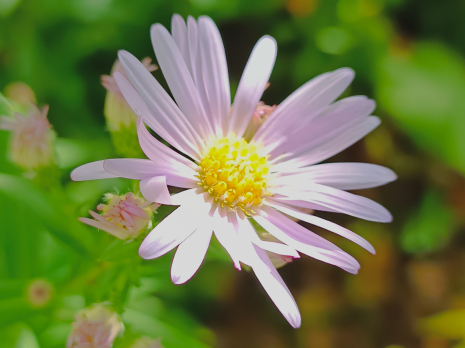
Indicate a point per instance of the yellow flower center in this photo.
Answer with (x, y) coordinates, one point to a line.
(235, 174)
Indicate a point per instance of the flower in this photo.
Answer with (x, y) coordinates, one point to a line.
(32, 138)
(95, 327)
(230, 181)
(124, 216)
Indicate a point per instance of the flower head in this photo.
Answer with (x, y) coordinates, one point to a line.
(32, 138)
(124, 216)
(232, 180)
(95, 327)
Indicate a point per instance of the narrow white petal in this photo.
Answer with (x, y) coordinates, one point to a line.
(174, 229)
(341, 201)
(304, 104)
(162, 107)
(329, 148)
(162, 154)
(155, 190)
(91, 171)
(141, 109)
(292, 234)
(132, 168)
(252, 84)
(330, 226)
(215, 75)
(277, 289)
(273, 247)
(180, 80)
(227, 236)
(179, 33)
(343, 176)
(190, 254)
(328, 124)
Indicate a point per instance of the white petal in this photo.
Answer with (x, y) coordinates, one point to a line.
(277, 248)
(162, 107)
(314, 220)
(343, 176)
(91, 171)
(341, 201)
(329, 148)
(294, 235)
(277, 289)
(141, 109)
(179, 33)
(139, 169)
(215, 75)
(180, 80)
(304, 104)
(132, 168)
(328, 124)
(227, 236)
(155, 190)
(162, 154)
(174, 229)
(252, 84)
(190, 255)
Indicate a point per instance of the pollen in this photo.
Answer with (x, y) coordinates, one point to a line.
(235, 173)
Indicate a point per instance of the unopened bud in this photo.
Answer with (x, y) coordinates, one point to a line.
(261, 113)
(124, 216)
(121, 120)
(95, 327)
(32, 138)
(39, 293)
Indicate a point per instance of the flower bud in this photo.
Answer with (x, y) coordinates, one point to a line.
(121, 120)
(276, 259)
(125, 216)
(261, 113)
(95, 327)
(39, 293)
(32, 138)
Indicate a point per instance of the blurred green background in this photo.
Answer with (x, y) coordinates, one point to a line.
(408, 55)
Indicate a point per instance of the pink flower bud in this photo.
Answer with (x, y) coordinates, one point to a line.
(95, 327)
(124, 216)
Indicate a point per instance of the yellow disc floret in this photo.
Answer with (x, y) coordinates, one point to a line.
(235, 174)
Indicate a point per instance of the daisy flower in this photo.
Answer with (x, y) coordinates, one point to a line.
(231, 181)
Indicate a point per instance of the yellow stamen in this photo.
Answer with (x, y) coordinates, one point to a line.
(235, 174)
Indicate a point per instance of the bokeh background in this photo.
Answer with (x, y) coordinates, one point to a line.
(408, 55)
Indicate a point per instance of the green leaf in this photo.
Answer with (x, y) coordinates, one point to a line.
(430, 228)
(423, 90)
(449, 324)
(51, 213)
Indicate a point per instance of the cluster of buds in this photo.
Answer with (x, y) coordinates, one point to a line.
(95, 327)
(124, 216)
(121, 120)
(32, 138)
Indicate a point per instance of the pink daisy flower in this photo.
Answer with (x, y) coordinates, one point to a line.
(231, 181)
